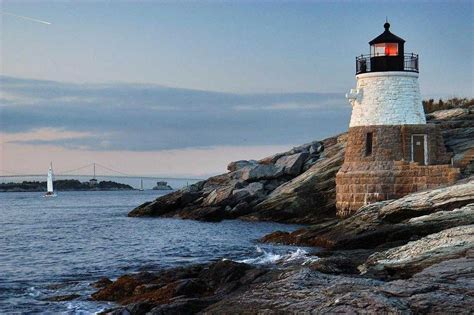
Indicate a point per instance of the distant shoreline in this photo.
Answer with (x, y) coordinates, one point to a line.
(44, 190)
(64, 185)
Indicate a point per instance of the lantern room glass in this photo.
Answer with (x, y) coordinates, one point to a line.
(384, 49)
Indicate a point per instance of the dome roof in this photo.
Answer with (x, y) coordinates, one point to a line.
(386, 37)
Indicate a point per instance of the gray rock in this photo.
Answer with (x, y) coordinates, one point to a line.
(406, 260)
(306, 148)
(292, 164)
(218, 196)
(444, 288)
(316, 148)
(304, 291)
(445, 198)
(259, 172)
(310, 162)
(240, 209)
(251, 190)
(448, 113)
(237, 165)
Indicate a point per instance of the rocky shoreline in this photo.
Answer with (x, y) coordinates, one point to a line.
(410, 255)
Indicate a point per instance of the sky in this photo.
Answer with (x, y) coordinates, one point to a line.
(183, 88)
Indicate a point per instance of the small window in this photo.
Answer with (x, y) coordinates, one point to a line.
(368, 143)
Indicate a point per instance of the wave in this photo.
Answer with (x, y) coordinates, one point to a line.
(299, 256)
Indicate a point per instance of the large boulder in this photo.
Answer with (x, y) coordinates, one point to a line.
(237, 165)
(251, 190)
(448, 114)
(445, 198)
(218, 196)
(257, 172)
(292, 164)
(406, 260)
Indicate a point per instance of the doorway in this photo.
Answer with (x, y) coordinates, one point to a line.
(419, 149)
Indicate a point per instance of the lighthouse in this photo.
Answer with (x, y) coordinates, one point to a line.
(391, 151)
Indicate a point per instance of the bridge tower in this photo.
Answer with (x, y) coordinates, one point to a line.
(93, 180)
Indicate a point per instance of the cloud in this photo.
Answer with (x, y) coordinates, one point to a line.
(331, 103)
(44, 134)
(146, 117)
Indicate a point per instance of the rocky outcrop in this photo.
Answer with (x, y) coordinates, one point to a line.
(412, 216)
(442, 288)
(311, 196)
(445, 198)
(406, 260)
(227, 287)
(457, 127)
(184, 290)
(304, 177)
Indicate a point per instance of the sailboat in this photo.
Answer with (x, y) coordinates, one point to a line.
(141, 185)
(49, 185)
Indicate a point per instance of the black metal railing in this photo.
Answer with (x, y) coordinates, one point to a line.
(363, 64)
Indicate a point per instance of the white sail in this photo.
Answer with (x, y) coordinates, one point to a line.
(50, 179)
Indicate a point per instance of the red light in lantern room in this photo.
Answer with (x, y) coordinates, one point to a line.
(391, 49)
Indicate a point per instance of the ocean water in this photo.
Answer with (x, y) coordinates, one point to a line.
(58, 246)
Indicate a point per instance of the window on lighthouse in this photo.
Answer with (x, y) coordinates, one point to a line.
(385, 49)
(368, 143)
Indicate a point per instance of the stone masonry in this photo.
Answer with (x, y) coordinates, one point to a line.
(387, 98)
(392, 180)
(387, 172)
(393, 143)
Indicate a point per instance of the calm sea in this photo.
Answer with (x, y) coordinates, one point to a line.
(58, 246)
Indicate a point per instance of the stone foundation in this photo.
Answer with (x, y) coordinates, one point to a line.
(387, 173)
(359, 185)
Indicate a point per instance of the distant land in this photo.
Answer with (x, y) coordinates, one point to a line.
(63, 185)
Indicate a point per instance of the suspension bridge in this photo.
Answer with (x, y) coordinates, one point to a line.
(92, 170)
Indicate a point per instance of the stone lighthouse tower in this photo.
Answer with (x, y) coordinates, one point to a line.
(391, 150)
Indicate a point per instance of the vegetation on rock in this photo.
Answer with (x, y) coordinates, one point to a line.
(432, 106)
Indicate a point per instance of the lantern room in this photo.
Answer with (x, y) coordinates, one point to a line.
(387, 54)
